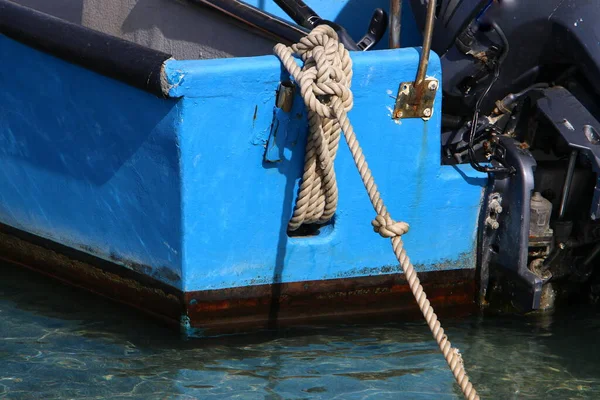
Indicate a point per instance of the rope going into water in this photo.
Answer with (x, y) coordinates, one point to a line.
(324, 82)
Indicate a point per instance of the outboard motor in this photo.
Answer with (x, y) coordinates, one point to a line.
(521, 85)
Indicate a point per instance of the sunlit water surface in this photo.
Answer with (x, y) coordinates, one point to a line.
(60, 343)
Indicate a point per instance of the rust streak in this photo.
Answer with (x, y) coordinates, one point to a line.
(345, 300)
(250, 308)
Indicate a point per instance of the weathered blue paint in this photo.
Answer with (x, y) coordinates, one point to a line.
(180, 190)
(236, 205)
(89, 162)
(354, 16)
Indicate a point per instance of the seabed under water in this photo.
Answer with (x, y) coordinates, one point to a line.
(57, 342)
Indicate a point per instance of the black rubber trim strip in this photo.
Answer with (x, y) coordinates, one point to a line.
(116, 58)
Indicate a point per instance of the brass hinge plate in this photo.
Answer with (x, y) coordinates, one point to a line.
(413, 102)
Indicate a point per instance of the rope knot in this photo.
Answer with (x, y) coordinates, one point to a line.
(327, 71)
(387, 227)
(324, 80)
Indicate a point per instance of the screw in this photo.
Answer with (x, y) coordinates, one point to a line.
(427, 112)
(495, 206)
(399, 114)
(432, 85)
(492, 223)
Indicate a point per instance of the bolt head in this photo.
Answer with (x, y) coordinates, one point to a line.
(427, 112)
(433, 85)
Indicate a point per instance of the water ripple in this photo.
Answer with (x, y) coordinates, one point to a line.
(57, 342)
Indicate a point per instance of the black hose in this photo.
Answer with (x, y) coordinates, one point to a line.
(535, 86)
(510, 99)
(500, 33)
(451, 121)
(474, 164)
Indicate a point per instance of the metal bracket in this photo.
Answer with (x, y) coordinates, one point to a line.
(578, 127)
(281, 121)
(508, 245)
(416, 101)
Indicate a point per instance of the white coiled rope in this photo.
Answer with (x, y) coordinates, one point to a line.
(324, 81)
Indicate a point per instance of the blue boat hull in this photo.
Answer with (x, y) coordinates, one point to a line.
(177, 202)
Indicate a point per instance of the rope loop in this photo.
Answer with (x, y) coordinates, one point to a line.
(324, 81)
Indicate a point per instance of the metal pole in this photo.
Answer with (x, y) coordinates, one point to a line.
(427, 35)
(567, 185)
(395, 23)
(267, 24)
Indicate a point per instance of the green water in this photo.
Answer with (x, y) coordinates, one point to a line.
(60, 343)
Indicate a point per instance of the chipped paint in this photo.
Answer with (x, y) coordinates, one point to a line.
(463, 261)
(391, 115)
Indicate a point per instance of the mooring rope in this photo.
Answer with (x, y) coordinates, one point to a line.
(324, 81)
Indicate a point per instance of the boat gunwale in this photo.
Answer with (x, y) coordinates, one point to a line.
(128, 62)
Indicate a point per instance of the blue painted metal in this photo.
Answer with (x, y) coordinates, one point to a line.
(179, 188)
